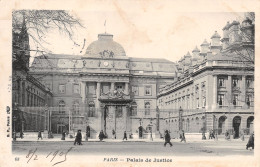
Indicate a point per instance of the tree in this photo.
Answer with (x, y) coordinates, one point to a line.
(243, 43)
(37, 23)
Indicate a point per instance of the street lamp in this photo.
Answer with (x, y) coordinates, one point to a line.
(180, 118)
(14, 132)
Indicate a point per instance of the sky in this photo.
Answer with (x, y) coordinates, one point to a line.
(146, 33)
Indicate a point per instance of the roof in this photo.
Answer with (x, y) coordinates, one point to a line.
(226, 26)
(137, 59)
(196, 49)
(205, 43)
(215, 35)
(105, 47)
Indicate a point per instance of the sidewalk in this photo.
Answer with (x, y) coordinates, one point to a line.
(58, 139)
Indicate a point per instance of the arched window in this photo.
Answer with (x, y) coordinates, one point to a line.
(147, 108)
(134, 109)
(61, 107)
(76, 107)
(91, 106)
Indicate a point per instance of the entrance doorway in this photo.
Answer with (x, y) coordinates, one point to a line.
(236, 126)
(250, 124)
(61, 128)
(221, 124)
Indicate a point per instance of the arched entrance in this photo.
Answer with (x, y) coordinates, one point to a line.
(236, 125)
(221, 124)
(250, 124)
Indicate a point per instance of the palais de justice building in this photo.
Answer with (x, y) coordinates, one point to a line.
(104, 89)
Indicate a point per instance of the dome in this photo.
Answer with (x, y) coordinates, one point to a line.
(105, 47)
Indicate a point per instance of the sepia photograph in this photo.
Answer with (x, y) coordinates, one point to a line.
(140, 86)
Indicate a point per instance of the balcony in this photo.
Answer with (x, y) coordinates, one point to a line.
(115, 97)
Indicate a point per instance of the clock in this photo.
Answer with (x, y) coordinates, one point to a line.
(105, 63)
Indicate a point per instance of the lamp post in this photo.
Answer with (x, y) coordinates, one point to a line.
(14, 132)
(180, 118)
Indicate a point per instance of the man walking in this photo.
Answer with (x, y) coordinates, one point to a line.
(39, 134)
(167, 138)
(125, 136)
(251, 141)
(78, 138)
(183, 136)
(101, 135)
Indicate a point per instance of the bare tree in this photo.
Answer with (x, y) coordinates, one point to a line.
(37, 23)
(244, 49)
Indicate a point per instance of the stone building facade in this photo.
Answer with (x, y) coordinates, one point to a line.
(104, 89)
(29, 96)
(215, 86)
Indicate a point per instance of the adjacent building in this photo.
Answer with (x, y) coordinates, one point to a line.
(215, 86)
(29, 96)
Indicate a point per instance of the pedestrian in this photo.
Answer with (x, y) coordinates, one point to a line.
(167, 138)
(209, 134)
(203, 136)
(212, 134)
(151, 136)
(227, 135)
(86, 135)
(216, 135)
(242, 135)
(125, 136)
(114, 134)
(63, 135)
(78, 138)
(251, 142)
(21, 134)
(183, 136)
(101, 135)
(39, 134)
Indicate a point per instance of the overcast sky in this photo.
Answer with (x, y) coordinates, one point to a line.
(147, 33)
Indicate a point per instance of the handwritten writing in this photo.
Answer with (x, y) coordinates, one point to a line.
(53, 156)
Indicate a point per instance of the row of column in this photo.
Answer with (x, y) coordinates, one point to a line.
(98, 90)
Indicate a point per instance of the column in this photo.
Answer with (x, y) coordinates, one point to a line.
(209, 121)
(112, 88)
(243, 92)
(98, 111)
(98, 93)
(21, 93)
(214, 93)
(229, 91)
(126, 88)
(25, 94)
(83, 92)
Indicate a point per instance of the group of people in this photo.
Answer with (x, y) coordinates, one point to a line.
(167, 137)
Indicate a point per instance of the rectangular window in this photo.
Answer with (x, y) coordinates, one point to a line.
(135, 90)
(249, 83)
(76, 88)
(91, 89)
(62, 88)
(235, 100)
(198, 102)
(220, 99)
(148, 90)
(235, 82)
(221, 82)
(203, 101)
